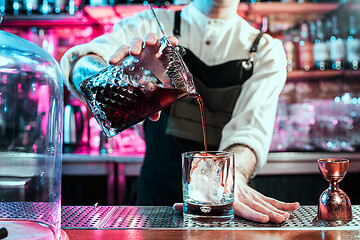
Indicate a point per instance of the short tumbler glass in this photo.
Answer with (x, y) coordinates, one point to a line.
(208, 186)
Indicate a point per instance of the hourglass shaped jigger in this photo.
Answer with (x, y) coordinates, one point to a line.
(334, 204)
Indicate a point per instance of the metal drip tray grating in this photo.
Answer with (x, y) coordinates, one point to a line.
(85, 216)
(41, 211)
(145, 217)
(126, 217)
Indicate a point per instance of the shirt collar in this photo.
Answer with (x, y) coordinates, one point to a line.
(202, 18)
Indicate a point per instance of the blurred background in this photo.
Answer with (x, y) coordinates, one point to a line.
(318, 113)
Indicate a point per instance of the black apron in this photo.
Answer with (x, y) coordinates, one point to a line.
(179, 128)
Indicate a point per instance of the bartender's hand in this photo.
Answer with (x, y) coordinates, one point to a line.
(249, 203)
(252, 205)
(134, 49)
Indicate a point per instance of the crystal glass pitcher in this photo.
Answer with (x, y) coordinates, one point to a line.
(121, 96)
(31, 106)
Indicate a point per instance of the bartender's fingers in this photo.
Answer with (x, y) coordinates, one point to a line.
(120, 53)
(178, 207)
(282, 205)
(258, 204)
(268, 203)
(260, 209)
(173, 40)
(242, 210)
(155, 117)
(151, 39)
(135, 46)
(248, 196)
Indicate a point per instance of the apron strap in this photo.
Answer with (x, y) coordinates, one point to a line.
(253, 49)
(176, 30)
(248, 64)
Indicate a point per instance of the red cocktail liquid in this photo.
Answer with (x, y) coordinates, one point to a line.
(120, 107)
(201, 105)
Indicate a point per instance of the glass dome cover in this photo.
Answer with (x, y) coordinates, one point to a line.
(31, 105)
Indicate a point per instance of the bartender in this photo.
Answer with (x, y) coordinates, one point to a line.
(238, 71)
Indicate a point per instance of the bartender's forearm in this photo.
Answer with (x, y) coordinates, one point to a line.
(85, 67)
(245, 160)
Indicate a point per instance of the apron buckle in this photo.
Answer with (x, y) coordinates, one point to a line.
(247, 65)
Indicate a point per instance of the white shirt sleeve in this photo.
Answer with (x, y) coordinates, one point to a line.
(106, 45)
(254, 113)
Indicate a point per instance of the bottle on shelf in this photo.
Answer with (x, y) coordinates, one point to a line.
(336, 43)
(290, 39)
(2, 7)
(71, 7)
(353, 44)
(305, 48)
(59, 6)
(30, 6)
(36, 7)
(17, 5)
(46, 7)
(321, 50)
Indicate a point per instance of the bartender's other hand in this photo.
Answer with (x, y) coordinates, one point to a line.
(252, 205)
(136, 46)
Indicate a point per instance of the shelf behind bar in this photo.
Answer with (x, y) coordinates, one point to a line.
(326, 74)
(291, 163)
(270, 8)
(121, 11)
(123, 158)
(50, 20)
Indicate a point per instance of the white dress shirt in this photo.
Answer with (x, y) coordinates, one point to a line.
(214, 41)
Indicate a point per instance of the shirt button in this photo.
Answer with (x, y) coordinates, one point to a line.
(208, 42)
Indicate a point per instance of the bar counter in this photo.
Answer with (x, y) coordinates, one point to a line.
(128, 222)
(207, 235)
